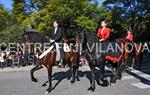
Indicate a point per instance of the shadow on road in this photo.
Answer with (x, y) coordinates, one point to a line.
(59, 76)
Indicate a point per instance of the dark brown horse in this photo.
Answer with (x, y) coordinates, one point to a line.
(98, 58)
(48, 61)
(135, 53)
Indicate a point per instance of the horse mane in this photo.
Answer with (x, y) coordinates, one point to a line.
(90, 39)
(36, 37)
(91, 36)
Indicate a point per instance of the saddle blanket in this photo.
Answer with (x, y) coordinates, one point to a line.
(65, 47)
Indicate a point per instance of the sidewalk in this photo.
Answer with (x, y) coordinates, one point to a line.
(15, 69)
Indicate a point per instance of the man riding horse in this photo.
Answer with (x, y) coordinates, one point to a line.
(57, 37)
(48, 58)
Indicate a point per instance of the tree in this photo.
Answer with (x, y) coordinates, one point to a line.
(41, 13)
(130, 14)
(8, 26)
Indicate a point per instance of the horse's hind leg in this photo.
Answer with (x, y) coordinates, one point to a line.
(76, 74)
(120, 69)
(140, 61)
(37, 67)
(73, 70)
(92, 88)
(102, 71)
(117, 73)
(133, 61)
(49, 78)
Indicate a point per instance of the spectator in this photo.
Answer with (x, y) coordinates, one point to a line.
(2, 60)
(10, 59)
(16, 59)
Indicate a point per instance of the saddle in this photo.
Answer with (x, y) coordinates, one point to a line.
(115, 59)
(65, 47)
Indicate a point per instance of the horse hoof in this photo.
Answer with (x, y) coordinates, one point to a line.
(72, 82)
(105, 83)
(44, 84)
(48, 90)
(77, 79)
(112, 81)
(35, 80)
(91, 89)
(120, 77)
(46, 93)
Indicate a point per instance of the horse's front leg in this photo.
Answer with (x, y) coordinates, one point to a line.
(49, 68)
(37, 67)
(92, 88)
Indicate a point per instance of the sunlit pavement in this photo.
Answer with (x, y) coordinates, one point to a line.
(17, 81)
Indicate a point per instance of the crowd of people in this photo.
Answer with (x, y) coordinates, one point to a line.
(12, 59)
(7, 59)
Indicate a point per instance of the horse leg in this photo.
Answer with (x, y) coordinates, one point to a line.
(120, 69)
(126, 56)
(92, 88)
(140, 61)
(73, 74)
(117, 73)
(133, 61)
(113, 78)
(49, 68)
(37, 67)
(102, 71)
(76, 74)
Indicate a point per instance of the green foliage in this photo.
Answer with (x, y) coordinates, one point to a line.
(130, 15)
(123, 15)
(75, 12)
(9, 29)
(86, 22)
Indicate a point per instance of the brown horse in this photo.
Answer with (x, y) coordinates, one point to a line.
(48, 61)
(134, 54)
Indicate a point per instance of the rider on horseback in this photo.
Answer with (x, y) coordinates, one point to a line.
(57, 37)
(104, 32)
(129, 36)
(129, 39)
(103, 35)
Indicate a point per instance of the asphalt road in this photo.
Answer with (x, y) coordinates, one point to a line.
(19, 83)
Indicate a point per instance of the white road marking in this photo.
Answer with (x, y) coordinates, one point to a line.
(146, 76)
(137, 71)
(142, 85)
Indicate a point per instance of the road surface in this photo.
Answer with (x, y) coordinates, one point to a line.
(19, 83)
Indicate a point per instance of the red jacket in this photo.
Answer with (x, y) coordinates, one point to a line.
(129, 37)
(103, 34)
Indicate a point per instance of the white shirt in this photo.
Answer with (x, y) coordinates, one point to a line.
(55, 30)
(2, 57)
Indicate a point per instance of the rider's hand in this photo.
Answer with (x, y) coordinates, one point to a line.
(101, 40)
(51, 40)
